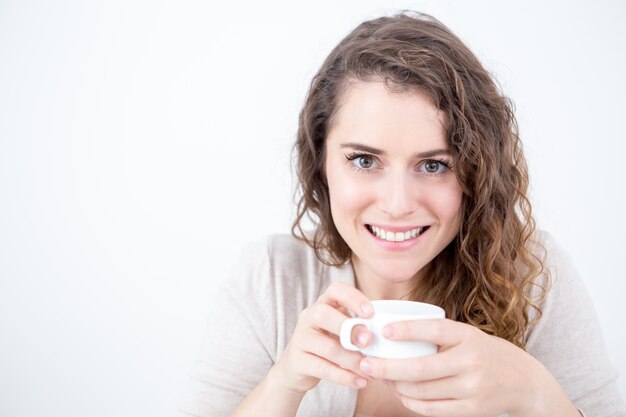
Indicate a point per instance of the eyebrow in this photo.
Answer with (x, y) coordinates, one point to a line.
(378, 152)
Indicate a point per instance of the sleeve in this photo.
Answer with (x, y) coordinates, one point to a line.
(239, 344)
(568, 341)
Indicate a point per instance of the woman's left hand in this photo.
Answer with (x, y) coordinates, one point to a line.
(474, 374)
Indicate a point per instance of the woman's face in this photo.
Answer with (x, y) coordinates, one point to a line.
(394, 197)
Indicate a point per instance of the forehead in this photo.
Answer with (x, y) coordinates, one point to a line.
(371, 111)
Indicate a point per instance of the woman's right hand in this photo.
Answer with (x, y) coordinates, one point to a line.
(314, 351)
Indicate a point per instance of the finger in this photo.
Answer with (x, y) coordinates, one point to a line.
(441, 408)
(425, 368)
(329, 348)
(324, 317)
(323, 369)
(439, 389)
(343, 295)
(361, 336)
(442, 332)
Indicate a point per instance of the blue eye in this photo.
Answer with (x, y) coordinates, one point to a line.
(364, 162)
(435, 167)
(361, 161)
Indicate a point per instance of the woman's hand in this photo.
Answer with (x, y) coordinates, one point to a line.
(314, 351)
(474, 374)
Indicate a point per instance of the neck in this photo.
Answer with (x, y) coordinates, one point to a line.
(377, 288)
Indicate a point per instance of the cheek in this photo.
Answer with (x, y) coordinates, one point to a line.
(446, 201)
(348, 196)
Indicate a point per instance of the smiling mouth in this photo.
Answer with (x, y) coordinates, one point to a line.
(396, 236)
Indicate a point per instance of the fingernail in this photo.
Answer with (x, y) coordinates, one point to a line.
(366, 367)
(361, 338)
(366, 308)
(360, 382)
(388, 331)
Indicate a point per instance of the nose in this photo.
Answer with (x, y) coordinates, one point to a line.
(398, 195)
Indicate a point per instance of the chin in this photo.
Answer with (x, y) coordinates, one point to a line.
(396, 273)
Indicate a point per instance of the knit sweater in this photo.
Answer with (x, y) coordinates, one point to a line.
(255, 311)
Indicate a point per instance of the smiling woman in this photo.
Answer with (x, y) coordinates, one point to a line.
(394, 182)
(409, 160)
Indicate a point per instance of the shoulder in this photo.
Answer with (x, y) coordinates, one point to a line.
(557, 263)
(542, 240)
(282, 253)
(280, 267)
(564, 292)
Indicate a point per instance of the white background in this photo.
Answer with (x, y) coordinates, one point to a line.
(142, 141)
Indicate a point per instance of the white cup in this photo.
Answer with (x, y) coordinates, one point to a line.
(390, 311)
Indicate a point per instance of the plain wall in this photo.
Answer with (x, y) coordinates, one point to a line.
(142, 142)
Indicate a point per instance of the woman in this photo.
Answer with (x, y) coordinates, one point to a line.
(410, 163)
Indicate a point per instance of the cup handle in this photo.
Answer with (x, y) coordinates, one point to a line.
(345, 334)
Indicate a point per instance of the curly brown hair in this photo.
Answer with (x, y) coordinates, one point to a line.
(485, 275)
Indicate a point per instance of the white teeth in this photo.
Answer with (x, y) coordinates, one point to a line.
(397, 236)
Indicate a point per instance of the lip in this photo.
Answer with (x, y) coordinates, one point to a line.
(395, 246)
(391, 228)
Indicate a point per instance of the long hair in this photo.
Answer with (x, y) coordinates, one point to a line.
(484, 277)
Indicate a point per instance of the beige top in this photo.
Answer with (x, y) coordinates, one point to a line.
(253, 315)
